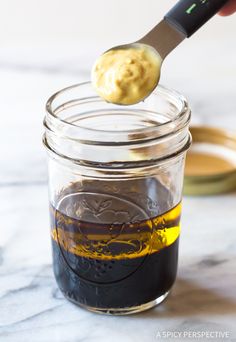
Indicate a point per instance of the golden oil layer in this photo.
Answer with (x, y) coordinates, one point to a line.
(130, 240)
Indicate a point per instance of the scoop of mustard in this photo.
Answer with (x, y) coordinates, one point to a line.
(127, 75)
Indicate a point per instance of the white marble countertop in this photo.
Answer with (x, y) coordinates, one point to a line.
(31, 306)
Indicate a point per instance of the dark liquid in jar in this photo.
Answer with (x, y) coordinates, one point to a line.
(110, 250)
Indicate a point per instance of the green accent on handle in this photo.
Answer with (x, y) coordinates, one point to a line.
(187, 16)
(191, 8)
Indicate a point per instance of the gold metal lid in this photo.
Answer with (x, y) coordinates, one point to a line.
(211, 162)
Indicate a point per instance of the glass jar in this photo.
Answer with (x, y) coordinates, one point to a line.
(115, 188)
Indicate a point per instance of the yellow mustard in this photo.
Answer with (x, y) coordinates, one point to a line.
(127, 75)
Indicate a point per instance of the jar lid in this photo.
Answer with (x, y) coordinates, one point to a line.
(211, 162)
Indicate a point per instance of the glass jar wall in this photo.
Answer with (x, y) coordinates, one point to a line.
(115, 189)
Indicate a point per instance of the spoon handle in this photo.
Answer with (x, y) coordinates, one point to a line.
(189, 15)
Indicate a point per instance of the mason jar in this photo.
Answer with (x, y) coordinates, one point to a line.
(115, 189)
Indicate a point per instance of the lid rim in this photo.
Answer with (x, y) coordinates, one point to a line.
(218, 182)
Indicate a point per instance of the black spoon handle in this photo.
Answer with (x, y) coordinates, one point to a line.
(189, 15)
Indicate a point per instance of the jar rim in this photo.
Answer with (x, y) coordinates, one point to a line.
(112, 137)
(76, 125)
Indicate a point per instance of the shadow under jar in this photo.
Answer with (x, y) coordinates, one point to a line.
(115, 188)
